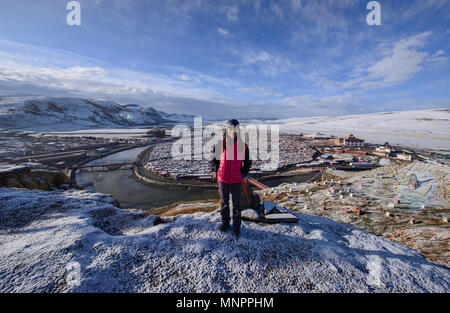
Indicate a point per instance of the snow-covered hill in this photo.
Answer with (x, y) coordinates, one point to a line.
(79, 241)
(52, 113)
(426, 129)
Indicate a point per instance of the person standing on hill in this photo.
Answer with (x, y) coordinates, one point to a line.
(229, 170)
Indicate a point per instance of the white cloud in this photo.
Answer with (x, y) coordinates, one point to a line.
(231, 13)
(438, 57)
(401, 61)
(424, 8)
(95, 81)
(296, 5)
(257, 5)
(57, 73)
(223, 32)
(309, 105)
(185, 77)
(317, 21)
(276, 9)
(269, 64)
(261, 91)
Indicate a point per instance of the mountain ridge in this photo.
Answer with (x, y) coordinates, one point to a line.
(38, 113)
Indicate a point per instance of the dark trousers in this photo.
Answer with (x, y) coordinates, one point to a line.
(235, 190)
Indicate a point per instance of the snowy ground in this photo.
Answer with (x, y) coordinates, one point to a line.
(77, 241)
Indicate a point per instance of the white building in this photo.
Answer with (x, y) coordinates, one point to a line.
(404, 157)
(350, 142)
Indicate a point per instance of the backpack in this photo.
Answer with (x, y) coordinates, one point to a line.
(249, 200)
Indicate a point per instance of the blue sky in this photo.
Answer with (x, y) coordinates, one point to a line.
(221, 59)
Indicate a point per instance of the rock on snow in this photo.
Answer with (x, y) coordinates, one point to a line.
(78, 241)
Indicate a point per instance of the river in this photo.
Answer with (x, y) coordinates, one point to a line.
(133, 194)
(129, 192)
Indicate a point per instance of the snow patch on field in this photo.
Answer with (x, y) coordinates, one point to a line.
(424, 129)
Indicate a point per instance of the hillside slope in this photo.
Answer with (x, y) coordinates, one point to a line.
(52, 113)
(426, 129)
(78, 241)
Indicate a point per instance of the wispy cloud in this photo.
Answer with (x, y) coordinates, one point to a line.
(268, 64)
(438, 57)
(319, 21)
(232, 13)
(276, 9)
(261, 91)
(400, 62)
(96, 80)
(424, 8)
(224, 32)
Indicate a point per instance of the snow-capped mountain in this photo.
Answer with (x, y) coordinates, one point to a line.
(55, 113)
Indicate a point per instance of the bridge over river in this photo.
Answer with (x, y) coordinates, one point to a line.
(106, 166)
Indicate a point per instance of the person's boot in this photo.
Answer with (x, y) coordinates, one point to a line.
(236, 230)
(223, 227)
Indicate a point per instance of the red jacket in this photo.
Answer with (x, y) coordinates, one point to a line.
(230, 169)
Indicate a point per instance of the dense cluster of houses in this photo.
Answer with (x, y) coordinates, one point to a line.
(161, 162)
(291, 152)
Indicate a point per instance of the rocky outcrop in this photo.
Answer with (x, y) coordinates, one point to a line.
(26, 177)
